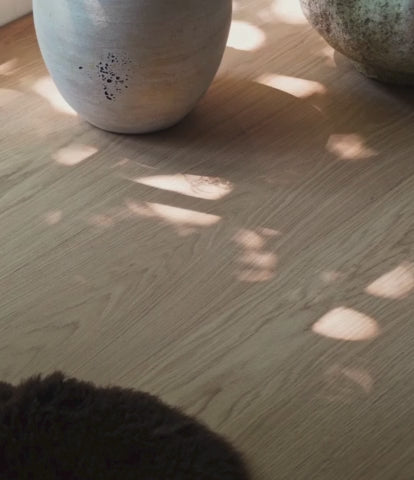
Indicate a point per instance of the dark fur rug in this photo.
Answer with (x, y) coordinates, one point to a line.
(57, 428)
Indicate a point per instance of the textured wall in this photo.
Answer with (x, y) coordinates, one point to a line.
(12, 9)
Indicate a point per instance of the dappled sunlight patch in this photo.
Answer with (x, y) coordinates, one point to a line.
(288, 11)
(74, 154)
(46, 88)
(172, 215)
(183, 216)
(298, 87)
(249, 239)
(245, 36)
(255, 263)
(197, 186)
(346, 324)
(349, 147)
(8, 95)
(269, 232)
(359, 377)
(328, 54)
(344, 384)
(394, 285)
(53, 217)
(139, 209)
(256, 267)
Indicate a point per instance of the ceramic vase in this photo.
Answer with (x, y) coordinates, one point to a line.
(377, 35)
(132, 66)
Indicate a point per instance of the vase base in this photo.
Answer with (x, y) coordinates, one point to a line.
(147, 130)
(385, 76)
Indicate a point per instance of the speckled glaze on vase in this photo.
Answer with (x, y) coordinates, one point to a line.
(132, 66)
(377, 35)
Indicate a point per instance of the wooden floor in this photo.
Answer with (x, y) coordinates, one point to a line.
(254, 265)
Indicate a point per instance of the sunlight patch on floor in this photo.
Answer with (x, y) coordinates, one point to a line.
(349, 147)
(328, 54)
(183, 215)
(288, 11)
(395, 285)
(345, 384)
(172, 215)
(346, 324)
(256, 263)
(197, 186)
(298, 87)
(360, 377)
(249, 239)
(269, 232)
(74, 154)
(245, 36)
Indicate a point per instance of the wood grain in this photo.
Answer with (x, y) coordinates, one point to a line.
(254, 265)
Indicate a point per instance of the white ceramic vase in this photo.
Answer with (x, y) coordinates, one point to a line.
(132, 66)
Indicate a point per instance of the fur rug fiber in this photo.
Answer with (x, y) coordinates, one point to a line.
(58, 428)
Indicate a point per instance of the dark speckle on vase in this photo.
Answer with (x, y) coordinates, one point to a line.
(113, 73)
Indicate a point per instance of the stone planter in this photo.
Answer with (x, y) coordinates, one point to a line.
(377, 35)
(132, 66)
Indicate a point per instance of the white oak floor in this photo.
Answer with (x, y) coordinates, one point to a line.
(254, 265)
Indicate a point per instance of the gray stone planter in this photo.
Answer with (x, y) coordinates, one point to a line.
(132, 66)
(377, 35)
